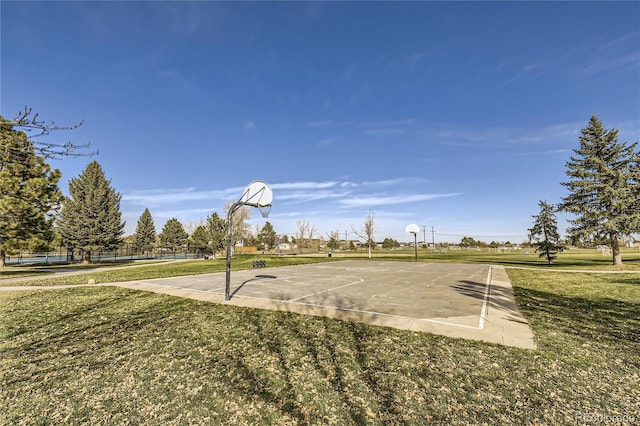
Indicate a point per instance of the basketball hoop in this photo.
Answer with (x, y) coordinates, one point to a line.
(414, 229)
(264, 210)
(258, 194)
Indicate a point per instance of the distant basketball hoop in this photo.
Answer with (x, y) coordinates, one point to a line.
(257, 194)
(414, 229)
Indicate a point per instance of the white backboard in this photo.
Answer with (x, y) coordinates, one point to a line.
(412, 229)
(257, 194)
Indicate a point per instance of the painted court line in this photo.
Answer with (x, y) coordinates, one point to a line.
(357, 280)
(327, 290)
(337, 308)
(480, 326)
(483, 310)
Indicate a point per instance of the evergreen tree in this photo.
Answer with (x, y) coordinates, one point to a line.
(333, 243)
(145, 235)
(217, 231)
(173, 234)
(199, 240)
(544, 233)
(28, 192)
(468, 242)
(334, 240)
(267, 236)
(91, 219)
(390, 243)
(604, 187)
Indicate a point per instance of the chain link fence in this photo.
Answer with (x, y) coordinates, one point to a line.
(127, 252)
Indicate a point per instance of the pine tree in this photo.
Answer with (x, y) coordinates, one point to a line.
(267, 236)
(28, 192)
(173, 234)
(217, 231)
(199, 239)
(604, 187)
(544, 234)
(91, 217)
(145, 235)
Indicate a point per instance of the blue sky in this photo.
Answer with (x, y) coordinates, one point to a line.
(457, 116)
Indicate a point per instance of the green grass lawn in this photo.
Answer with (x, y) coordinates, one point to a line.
(102, 355)
(163, 270)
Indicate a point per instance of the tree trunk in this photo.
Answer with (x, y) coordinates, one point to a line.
(3, 262)
(615, 249)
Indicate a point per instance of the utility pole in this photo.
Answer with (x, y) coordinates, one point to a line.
(433, 238)
(424, 234)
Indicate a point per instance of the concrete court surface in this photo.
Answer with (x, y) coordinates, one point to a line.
(458, 300)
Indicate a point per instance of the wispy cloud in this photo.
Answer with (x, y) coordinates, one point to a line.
(383, 132)
(320, 123)
(305, 185)
(249, 125)
(325, 142)
(305, 196)
(616, 54)
(286, 191)
(175, 79)
(381, 200)
(495, 137)
(630, 61)
(392, 123)
(404, 181)
(527, 71)
(159, 197)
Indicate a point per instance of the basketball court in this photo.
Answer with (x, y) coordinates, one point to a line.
(458, 300)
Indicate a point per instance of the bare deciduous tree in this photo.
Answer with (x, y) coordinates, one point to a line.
(239, 226)
(34, 128)
(305, 233)
(303, 229)
(367, 231)
(191, 226)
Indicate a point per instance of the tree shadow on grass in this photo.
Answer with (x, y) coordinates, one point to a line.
(605, 262)
(335, 362)
(16, 273)
(82, 329)
(630, 280)
(501, 298)
(603, 320)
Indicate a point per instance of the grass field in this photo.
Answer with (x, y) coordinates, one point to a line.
(115, 272)
(103, 355)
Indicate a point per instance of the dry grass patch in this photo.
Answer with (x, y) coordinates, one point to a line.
(103, 355)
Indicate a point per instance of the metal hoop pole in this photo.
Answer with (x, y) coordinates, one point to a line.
(227, 288)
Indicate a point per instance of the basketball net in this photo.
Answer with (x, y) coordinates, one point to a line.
(264, 210)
